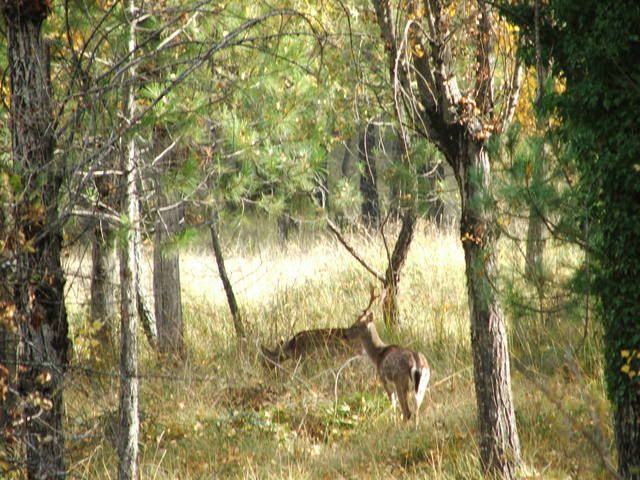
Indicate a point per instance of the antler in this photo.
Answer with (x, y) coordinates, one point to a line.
(372, 298)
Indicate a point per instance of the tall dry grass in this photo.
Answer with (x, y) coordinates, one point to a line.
(218, 413)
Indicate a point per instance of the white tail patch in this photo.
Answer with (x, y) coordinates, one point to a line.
(421, 388)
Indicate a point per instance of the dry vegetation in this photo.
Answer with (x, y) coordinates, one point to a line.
(219, 413)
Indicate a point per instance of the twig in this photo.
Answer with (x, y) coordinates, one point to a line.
(449, 377)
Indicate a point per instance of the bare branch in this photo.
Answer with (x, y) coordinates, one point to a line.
(332, 227)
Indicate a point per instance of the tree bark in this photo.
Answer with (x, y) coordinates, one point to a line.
(145, 312)
(627, 433)
(226, 283)
(499, 443)
(39, 280)
(103, 279)
(166, 279)
(535, 246)
(370, 210)
(128, 403)
(435, 210)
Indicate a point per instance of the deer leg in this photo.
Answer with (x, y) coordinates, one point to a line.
(402, 388)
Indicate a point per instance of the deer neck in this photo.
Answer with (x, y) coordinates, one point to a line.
(373, 344)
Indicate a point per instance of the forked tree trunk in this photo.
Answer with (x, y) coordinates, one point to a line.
(166, 279)
(129, 425)
(390, 307)
(39, 284)
(499, 443)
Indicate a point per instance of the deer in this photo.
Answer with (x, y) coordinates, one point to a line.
(403, 373)
(303, 343)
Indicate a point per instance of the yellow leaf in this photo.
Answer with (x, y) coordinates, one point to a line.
(624, 353)
(625, 369)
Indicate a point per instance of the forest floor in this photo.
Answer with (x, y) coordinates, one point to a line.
(218, 413)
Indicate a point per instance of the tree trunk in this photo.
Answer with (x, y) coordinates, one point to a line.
(286, 225)
(370, 210)
(226, 283)
(166, 279)
(499, 443)
(128, 403)
(166, 261)
(39, 280)
(8, 329)
(392, 275)
(535, 243)
(459, 125)
(145, 312)
(103, 283)
(627, 432)
(435, 209)
(535, 246)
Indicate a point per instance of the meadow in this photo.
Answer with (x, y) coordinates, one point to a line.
(218, 413)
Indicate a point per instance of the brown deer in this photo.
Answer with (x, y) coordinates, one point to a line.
(331, 340)
(404, 373)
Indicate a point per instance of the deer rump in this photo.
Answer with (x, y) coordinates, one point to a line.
(397, 365)
(306, 342)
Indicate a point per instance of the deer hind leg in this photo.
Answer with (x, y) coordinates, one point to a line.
(403, 391)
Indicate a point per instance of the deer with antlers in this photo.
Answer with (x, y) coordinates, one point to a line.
(404, 373)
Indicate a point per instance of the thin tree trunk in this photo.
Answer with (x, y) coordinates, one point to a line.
(392, 275)
(535, 246)
(166, 261)
(145, 311)
(435, 210)
(226, 283)
(129, 420)
(499, 443)
(286, 225)
(535, 243)
(370, 211)
(103, 280)
(8, 328)
(39, 280)
(166, 279)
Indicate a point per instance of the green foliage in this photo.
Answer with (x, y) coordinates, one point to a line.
(596, 51)
(595, 46)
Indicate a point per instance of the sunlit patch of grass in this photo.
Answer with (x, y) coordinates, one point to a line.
(218, 412)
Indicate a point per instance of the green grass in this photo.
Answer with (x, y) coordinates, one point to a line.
(218, 412)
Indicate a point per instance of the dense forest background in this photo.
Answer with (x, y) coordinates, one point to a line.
(197, 198)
